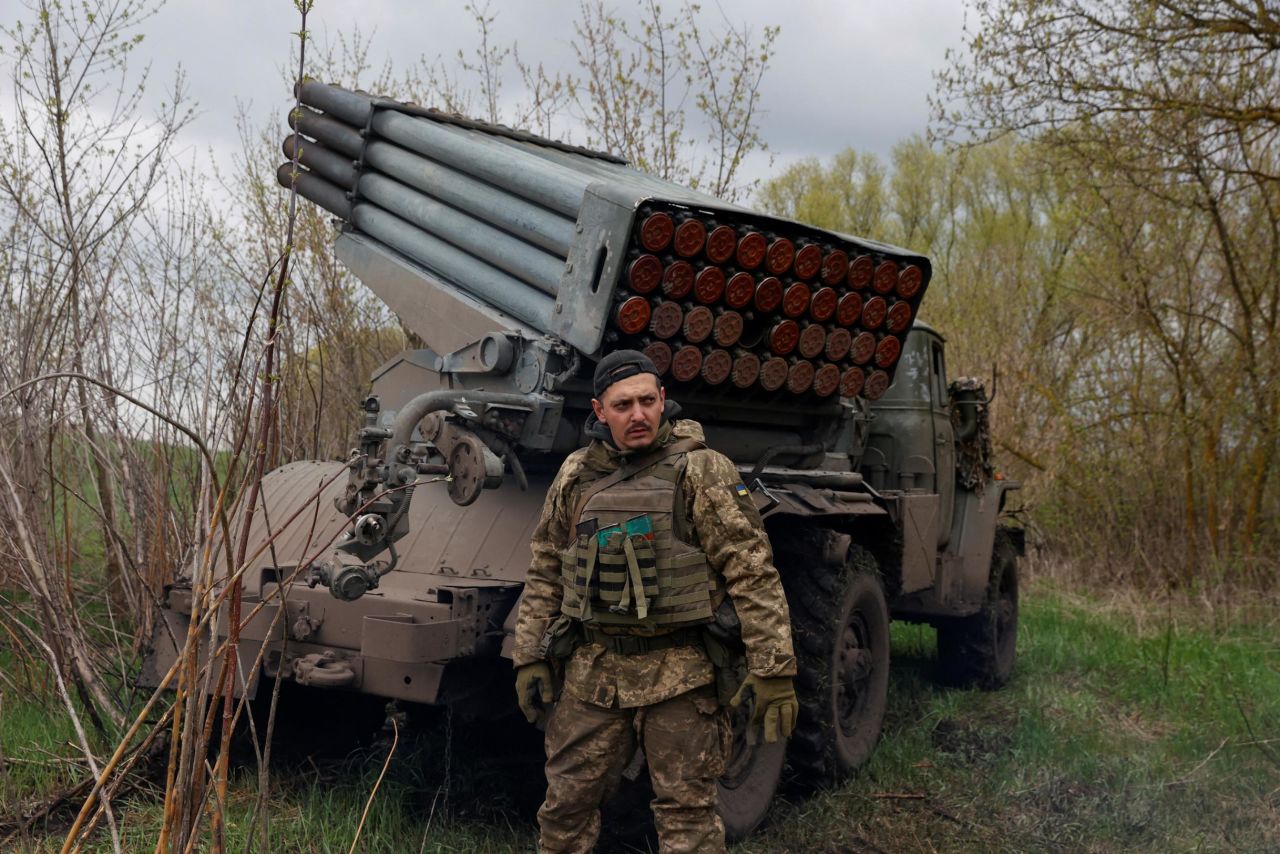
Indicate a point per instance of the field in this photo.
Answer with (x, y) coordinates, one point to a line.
(1128, 726)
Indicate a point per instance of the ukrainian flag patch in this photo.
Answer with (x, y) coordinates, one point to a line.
(741, 490)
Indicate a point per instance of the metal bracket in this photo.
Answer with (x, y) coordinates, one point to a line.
(595, 262)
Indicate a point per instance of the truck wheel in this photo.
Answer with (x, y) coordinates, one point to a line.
(981, 649)
(749, 782)
(841, 624)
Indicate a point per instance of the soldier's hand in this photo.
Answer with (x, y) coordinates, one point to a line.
(533, 688)
(776, 705)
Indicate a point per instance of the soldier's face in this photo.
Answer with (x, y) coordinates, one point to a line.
(632, 409)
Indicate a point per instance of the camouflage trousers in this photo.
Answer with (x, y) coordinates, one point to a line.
(685, 739)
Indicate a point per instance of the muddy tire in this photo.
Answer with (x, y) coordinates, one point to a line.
(981, 650)
(840, 622)
(750, 781)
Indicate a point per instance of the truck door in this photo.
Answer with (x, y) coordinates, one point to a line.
(944, 445)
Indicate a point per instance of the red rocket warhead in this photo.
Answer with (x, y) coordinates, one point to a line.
(783, 337)
(728, 329)
(656, 231)
(686, 363)
(851, 382)
(886, 280)
(716, 366)
(709, 286)
(768, 295)
(698, 323)
(909, 281)
(746, 370)
(826, 380)
(873, 312)
(659, 352)
(863, 348)
(773, 373)
(823, 304)
(838, 344)
(835, 267)
(813, 339)
(751, 250)
(849, 309)
(666, 320)
(861, 271)
(887, 351)
(779, 256)
(795, 302)
(722, 242)
(644, 274)
(739, 291)
(689, 238)
(808, 261)
(677, 281)
(800, 377)
(877, 384)
(899, 318)
(632, 317)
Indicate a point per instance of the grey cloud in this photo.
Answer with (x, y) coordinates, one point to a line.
(844, 73)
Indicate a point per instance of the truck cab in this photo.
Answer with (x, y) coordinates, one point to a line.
(911, 443)
(928, 455)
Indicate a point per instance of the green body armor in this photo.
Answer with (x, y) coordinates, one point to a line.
(627, 564)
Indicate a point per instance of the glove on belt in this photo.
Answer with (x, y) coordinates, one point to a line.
(775, 707)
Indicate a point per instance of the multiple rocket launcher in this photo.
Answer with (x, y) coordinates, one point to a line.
(575, 244)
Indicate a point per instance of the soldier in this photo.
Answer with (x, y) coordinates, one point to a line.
(648, 546)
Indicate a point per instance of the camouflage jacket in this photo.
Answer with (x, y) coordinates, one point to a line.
(726, 527)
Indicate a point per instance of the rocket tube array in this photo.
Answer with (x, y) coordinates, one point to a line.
(718, 303)
(505, 243)
(722, 299)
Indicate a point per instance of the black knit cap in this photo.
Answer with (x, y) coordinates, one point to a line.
(621, 365)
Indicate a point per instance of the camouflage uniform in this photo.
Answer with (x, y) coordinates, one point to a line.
(662, 699)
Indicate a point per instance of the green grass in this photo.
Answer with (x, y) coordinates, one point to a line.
(31, 739)
(1121, 730)
(1125, 728)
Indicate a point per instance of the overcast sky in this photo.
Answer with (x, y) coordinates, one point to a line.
(845, 72)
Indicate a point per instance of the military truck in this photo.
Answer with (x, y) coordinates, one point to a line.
(520, 261)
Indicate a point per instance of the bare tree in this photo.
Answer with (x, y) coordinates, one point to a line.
(80, 164)
(638, 83)
(1163, 115)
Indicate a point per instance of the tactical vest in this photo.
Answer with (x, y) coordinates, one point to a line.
(623, 575)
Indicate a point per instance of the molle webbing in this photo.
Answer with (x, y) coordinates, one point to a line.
(631, 468)
(650, 579)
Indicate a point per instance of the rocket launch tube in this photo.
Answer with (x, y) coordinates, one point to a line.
(551, 230)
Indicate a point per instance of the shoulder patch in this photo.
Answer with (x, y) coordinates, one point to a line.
(740, 490)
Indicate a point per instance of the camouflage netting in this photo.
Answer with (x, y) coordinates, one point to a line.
(970, 416)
